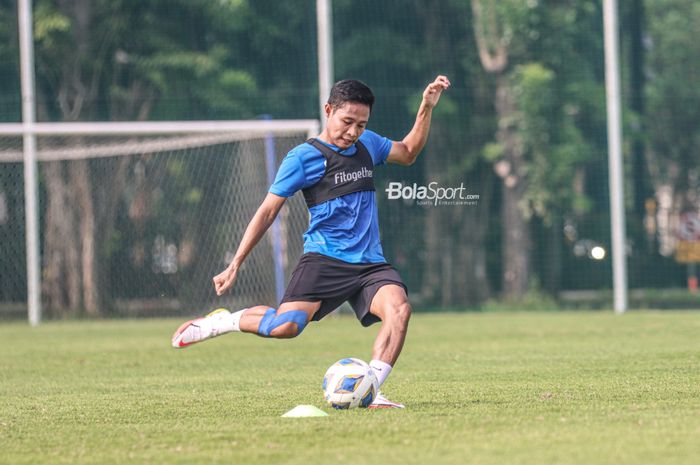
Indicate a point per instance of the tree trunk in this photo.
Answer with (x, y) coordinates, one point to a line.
(455, 260)
(431, 274)
(62, 281)
(637, 80)
(553, 256)
(111, 195)
(81, 206)
(54, 256)
(516, 229)
(493, 53)
(80, 175)
(516, 245)
(472, 284)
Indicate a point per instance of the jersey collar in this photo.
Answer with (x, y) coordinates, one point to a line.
(347, 152)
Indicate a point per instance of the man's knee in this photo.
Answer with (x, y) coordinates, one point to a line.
(284, 325)
(286, 331)
(399, 312)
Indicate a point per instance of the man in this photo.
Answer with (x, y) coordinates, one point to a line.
(343, 258)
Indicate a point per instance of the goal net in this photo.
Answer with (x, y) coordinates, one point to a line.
(136, 219)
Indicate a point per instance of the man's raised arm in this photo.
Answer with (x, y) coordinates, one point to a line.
(406, 151)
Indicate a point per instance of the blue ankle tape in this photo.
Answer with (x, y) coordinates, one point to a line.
(271, 321)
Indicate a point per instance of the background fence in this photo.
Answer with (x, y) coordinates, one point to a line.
(138, 225)
(523, 126)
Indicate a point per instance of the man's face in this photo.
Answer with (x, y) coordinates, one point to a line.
(346, 123)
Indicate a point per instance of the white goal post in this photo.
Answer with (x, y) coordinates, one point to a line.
(243, 154)
(263, 126)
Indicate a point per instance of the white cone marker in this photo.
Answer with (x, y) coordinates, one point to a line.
(305, 411)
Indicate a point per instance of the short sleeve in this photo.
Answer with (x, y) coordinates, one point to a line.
(302, 167)
(378, 146)
(290, 177)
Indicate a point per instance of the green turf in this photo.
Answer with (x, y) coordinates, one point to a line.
(547, 388)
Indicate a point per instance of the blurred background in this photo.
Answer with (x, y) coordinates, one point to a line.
(141, 232)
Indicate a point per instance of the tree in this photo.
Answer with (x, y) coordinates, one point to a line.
(396, 49)
(544, 93)
(673, 92)
(117, 60)
(494, 25)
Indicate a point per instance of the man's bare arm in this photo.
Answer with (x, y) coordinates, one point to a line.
(406, 151)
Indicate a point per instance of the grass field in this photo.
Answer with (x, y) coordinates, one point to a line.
(495, 388)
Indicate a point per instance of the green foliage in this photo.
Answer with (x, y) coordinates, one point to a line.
(49, 25)
(524, 388)
(553, 142)
(10, 101)
(674, 85)
(492, 151)
(229, 59)
(138, 55)
(556, 93)
(229, 83)
(447, 108)
(534, 300)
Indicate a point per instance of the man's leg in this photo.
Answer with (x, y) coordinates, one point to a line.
(391, 305)
(280, 323)
(286, 322)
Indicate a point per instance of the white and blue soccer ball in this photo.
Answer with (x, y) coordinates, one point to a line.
(350, 383)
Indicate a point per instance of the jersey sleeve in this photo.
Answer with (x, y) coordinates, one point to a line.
(290, 177)
(378, 146)
(302, 167)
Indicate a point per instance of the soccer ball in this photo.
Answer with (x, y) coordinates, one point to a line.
(350, 383)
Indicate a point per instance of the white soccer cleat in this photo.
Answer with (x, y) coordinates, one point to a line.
(382, 402)
(200, 329)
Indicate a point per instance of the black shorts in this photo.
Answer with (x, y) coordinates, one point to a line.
(332, 281)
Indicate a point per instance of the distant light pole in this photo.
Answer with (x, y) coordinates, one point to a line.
(31, 191)
(324, 33)
(616, 173)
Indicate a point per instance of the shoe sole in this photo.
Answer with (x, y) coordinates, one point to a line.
(218, 310)
(375, 406)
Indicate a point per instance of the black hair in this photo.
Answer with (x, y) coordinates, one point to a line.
(350, 90)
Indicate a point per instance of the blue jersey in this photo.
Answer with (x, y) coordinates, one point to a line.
(347, 227)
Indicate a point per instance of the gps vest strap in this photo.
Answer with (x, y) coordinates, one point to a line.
(344, 174)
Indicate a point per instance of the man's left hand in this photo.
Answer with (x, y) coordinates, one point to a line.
(432, 93)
